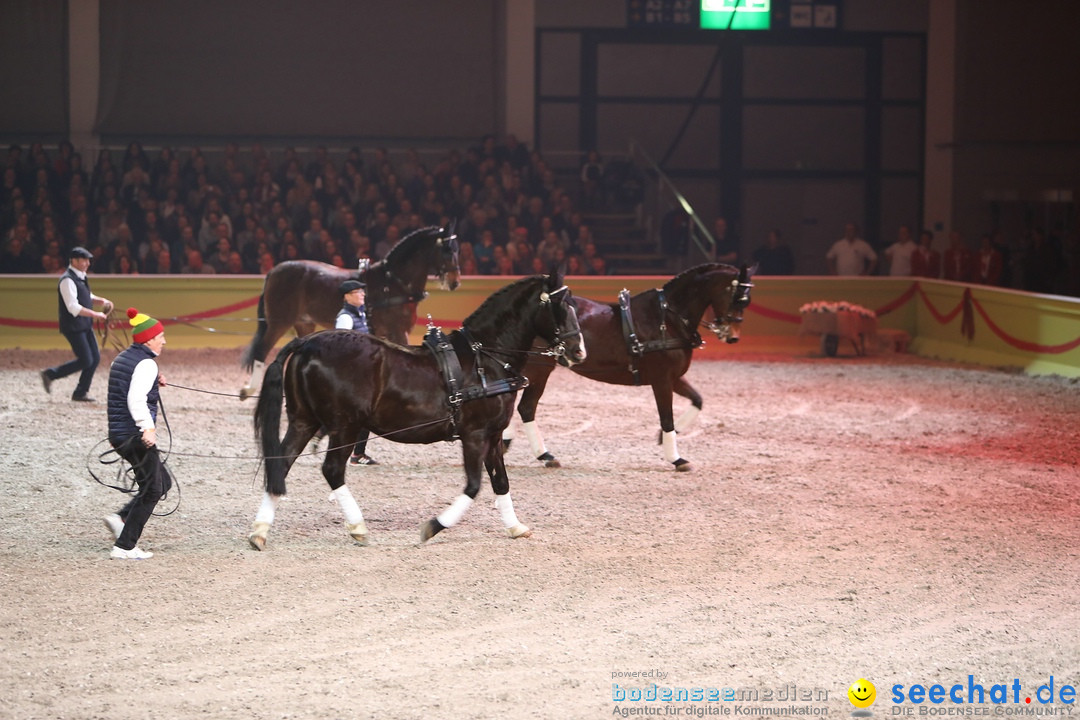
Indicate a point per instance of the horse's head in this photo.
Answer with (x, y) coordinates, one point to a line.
(446, 243)
(559, 324)
(729, 299)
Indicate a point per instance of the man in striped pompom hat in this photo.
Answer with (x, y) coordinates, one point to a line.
(134, 380)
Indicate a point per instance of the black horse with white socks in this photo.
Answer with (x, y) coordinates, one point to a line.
(348, 382)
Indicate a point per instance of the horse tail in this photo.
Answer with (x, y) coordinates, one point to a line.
(268, 420)
(252, 351)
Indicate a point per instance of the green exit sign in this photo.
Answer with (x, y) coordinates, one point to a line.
(735, 14)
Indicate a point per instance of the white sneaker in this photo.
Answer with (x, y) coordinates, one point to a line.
(133, 554)
(115, 525)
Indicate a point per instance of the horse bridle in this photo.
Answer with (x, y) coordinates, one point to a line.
(557, 347)
(740, 299)
(447, 245)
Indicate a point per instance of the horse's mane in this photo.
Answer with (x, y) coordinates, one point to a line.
(497, 297)
(686, 277)
(407, 245)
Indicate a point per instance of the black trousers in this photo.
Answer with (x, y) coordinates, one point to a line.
(87, 357)
(153, 480)
(361, 446)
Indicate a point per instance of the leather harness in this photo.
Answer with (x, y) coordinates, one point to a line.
(636, 348)
(458, 390)
(392, 301)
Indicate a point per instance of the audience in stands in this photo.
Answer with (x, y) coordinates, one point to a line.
(186, 211)
(245, 212)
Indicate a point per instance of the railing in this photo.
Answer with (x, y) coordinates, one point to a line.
(662, 197)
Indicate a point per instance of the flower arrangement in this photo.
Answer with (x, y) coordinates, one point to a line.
(822, 306)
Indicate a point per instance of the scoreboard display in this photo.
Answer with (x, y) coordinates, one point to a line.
(736, 14)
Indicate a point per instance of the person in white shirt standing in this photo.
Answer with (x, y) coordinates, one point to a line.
(899, 254)
(851, 255)
(77, 317)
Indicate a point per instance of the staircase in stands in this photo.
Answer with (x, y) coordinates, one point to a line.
(625, 245)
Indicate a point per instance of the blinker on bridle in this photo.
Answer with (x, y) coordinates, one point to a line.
(558, 348)
(740, 299)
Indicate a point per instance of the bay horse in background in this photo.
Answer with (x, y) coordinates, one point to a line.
(349, 382)
(302, 294)
(664, 322)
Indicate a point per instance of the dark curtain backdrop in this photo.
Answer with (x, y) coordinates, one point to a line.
(33, 67)
(345, 68)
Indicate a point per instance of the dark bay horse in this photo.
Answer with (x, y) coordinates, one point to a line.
(348, 382)
(303, 293)
(665, 322)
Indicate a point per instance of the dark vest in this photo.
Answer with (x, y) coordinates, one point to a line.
(121, 424)
(358, 315)
(68, 323)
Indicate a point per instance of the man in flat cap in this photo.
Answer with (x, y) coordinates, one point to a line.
(353, 316)
(77, 317)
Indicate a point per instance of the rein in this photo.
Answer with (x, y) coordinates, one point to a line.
(128, 485)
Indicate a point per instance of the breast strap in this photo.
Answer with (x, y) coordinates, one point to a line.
(458, 391)
(635, 347)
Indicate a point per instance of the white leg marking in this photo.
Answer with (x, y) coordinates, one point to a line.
(345, 499)
(257, 368)
(686, 419)
(671, 447)
(266, 510)
(451, 515)
(505, 506)
(536, 440)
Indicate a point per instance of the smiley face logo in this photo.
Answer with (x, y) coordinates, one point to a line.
(862, 693)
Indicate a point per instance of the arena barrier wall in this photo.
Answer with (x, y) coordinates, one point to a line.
(1039, 334)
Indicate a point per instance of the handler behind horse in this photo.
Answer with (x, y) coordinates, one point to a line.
(353, 316)
(133, 405)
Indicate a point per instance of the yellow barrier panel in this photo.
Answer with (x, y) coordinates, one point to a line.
(1036, 333)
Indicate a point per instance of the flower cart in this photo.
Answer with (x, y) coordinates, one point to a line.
(835, 321)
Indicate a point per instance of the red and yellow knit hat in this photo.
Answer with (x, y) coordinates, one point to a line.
(144, 327)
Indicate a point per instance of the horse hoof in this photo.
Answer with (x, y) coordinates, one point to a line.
(246, 392)
(682, 465)
(430, 529)
(257, 538)
(358, 532)
(519, 531)
(506, 443)
(549, 460)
